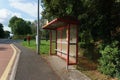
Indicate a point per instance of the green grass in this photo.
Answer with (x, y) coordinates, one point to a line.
(44, 46)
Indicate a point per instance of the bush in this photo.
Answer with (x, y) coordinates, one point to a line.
(82, 44)
(110, 60)
(19, 37)
(89, 51)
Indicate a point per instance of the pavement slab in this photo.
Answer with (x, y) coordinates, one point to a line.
(59, 66)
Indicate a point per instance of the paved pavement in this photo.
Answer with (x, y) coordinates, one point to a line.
(33, 67)
(59, 66)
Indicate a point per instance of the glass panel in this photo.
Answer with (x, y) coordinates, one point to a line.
(53, 44)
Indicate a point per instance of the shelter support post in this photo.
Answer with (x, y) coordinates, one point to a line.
(50, 42)
(56, 42)
(68, 42)
(76, 45)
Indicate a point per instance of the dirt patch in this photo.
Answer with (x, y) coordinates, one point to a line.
(89, 68)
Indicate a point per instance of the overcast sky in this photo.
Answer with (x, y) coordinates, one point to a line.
(26, 9)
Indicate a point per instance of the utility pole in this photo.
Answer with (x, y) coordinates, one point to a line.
(38, 36)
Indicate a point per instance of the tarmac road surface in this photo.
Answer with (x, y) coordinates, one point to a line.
(31, 66)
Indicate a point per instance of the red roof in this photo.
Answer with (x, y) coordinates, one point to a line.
(59, 22)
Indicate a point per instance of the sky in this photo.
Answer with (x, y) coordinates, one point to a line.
(26, 9)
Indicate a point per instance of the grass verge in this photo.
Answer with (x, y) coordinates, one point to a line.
(44, 46)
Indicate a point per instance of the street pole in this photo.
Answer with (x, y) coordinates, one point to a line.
(38, 37)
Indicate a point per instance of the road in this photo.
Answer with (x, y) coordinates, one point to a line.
(30, 65)
(8, 41)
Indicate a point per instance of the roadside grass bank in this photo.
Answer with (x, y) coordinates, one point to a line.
(44, 46)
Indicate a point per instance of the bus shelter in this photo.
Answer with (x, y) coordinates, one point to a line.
(64, 39)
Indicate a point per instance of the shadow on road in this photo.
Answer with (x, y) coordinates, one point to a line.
(9, 41)
(2, 48)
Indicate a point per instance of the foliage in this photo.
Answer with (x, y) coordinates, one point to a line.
(7, 34)
(1, 31)
(99, 20)
(34, 27)
(110, 60)
(60, 8)
(44, 34)
(19, 37)
(19, 26)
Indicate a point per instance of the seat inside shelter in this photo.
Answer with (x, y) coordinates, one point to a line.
(64, 39)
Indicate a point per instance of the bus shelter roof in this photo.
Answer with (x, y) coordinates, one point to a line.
(59, 22)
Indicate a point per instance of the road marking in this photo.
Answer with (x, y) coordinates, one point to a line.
(14, 69)
(9, 66)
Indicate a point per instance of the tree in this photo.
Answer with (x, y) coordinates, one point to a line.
(7, 34)
(94, 18)
(1, 31)
(19, 26)
(34, 27)
(12, 22)
(44, 34)
(60, 8)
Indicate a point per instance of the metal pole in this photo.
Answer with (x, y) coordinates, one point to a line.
(38, 38)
